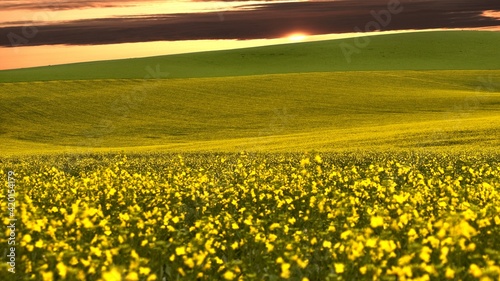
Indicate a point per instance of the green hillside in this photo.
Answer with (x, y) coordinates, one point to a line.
(437, 50)
(323, 111)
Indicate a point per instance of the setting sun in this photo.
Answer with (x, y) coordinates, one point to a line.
(297, 36)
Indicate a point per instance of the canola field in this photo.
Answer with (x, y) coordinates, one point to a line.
(243, 216)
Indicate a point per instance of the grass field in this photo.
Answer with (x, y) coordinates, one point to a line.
(322, 111)
(271, 163)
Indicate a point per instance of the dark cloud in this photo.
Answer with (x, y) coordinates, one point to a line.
(265, 21)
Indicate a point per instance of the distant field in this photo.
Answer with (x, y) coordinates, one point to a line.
(437, 50)
(323, 111)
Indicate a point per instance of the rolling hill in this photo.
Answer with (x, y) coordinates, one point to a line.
(322, 111)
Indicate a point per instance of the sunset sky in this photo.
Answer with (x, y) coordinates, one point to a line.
(34, 33)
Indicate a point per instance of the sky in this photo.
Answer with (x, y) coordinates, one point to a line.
(38, 32)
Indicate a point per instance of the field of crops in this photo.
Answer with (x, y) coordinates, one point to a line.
(240, 216)
(282, 112)
(112, 175)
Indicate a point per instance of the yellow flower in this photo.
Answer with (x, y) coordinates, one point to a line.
(274, 226)
(180, 251)
(39, 244)
(181, 271)
(140, 224)
(87, 223)
(103, 222)
(26, 238)
(304, 162)
(387, 245)
(229, 275)
(376, 221)
(450, 273)
(471, 247)
(425, 254)
(371, 242)
(134, 255)
(200, 257)
(189, 262)
(475, 270)
(112, 275)
(401, 198)
(248, 221)
(339, 267)
(285, 270)
(234, 226)
(404, 260)
(47, 276)
(363, 270)
(272, 237)
(132, 276)
(270, 247)
(429, 268)
(302, 263)
(318, 159)
(327, 244)
(465, 229)
(96, 251)
(344, 235)
(497, 220)
(61, 269)
(124, 217)
(86, 263)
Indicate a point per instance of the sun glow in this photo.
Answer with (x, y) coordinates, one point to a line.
(297, 36)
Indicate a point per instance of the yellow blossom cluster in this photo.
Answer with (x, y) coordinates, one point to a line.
(255, 217)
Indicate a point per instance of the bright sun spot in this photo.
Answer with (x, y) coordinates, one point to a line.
(297, 36)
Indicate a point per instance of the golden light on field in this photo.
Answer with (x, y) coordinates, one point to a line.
(298, 36)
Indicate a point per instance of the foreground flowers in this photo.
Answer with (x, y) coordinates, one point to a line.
(257, 217)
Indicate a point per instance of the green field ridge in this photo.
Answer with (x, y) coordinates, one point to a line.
(276, 112)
